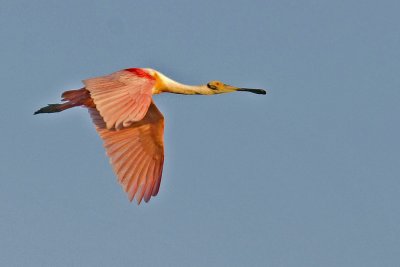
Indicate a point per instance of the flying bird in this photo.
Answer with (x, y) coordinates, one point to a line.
(129, 123)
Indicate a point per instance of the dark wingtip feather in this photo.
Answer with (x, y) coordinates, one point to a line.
(50, 108)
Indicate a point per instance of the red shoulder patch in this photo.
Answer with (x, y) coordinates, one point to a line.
(141, 73)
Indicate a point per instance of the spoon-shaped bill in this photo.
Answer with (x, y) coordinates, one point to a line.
(255, 91)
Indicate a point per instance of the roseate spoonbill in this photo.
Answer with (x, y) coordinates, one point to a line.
(121, 107)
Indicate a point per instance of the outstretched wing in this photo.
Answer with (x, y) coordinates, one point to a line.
(136, 152)
(122, 97)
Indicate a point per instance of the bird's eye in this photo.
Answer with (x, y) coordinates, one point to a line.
(213, 87)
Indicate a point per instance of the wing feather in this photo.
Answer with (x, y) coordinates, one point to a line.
(133, 169)
(155, 174)
(121, 98)
(142, 181)
(134, 184)
(158, 181)
(136, 152)
(150, 181)
(122, 166)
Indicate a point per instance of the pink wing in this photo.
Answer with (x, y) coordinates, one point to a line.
(136, 153)
(122, 97)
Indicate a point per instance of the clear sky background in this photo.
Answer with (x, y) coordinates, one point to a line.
(308, 175)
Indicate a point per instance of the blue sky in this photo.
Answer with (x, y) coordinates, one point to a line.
(305, 176)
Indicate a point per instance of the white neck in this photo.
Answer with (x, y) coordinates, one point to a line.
(170, 86)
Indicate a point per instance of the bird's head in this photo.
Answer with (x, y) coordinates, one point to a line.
(220, 88)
